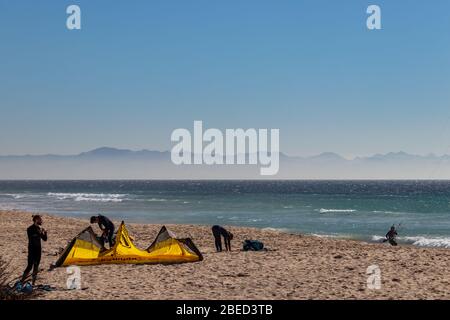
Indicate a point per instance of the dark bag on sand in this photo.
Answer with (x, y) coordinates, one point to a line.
(253, 245)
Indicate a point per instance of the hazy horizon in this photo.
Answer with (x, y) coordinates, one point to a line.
(168, 151)
(113, 164)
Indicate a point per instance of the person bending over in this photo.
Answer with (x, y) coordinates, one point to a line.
(107, 228)
(218, 233)
(35, 233)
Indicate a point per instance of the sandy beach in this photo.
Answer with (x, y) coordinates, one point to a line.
(294, 267)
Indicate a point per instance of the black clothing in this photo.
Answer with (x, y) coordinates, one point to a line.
(218, 233)
(34, 237)
(34, 251)
(33, 261)
(105, 224)
(392, 242)
(390, 236)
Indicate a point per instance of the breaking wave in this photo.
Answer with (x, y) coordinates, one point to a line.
(332, 236)
(278, 230)
(322, 210)
(15, 196)
(421, 241)
(20, 195)
(94, 197)
(326, 236)
(156, 200)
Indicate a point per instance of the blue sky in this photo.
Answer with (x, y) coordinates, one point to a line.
(139, 69)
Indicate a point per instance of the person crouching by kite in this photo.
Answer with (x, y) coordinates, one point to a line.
(107, 228)
(35, 233)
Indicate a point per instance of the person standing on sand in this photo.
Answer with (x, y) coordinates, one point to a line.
(35, 233)
(218, 232)
(107, 228)
(391, 235)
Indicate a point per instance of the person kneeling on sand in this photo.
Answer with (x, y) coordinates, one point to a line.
(107, 228)
(35, 233)
(391, 235)
(218, 232)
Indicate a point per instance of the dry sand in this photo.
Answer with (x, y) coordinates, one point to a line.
(295, 267)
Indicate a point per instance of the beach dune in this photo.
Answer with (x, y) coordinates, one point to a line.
(294, 267)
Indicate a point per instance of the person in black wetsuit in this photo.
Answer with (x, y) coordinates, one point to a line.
(218, 233)
(391, 235)
(35, 233)
(107, 228)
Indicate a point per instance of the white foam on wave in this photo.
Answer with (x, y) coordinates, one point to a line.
(157, 200)
(389, 212)
(378, 238)
(324, 235)
(332, 236)
(278, 230)
(19, 195)
(420, 241)
(94, 197)
(323, 210)
(98, 199)
(438, 242)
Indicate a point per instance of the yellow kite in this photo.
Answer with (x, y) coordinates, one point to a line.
(85, 249)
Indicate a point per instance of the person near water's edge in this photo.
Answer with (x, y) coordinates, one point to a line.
(218, 233)
(35, 233)
(107, 228)
(391, 235)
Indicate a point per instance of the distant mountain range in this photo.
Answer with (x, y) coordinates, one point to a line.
(112, 163)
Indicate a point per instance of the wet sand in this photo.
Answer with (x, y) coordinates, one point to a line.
(294, 267)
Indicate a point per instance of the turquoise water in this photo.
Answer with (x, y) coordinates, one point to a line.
(349, 209)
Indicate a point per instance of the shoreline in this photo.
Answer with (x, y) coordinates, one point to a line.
(402, 240)
(295, 266)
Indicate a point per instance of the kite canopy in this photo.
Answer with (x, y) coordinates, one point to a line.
(85, 249)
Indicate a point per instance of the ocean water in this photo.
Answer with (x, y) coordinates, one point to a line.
(362, 210)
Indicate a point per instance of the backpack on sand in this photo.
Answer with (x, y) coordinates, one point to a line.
(253, 245)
